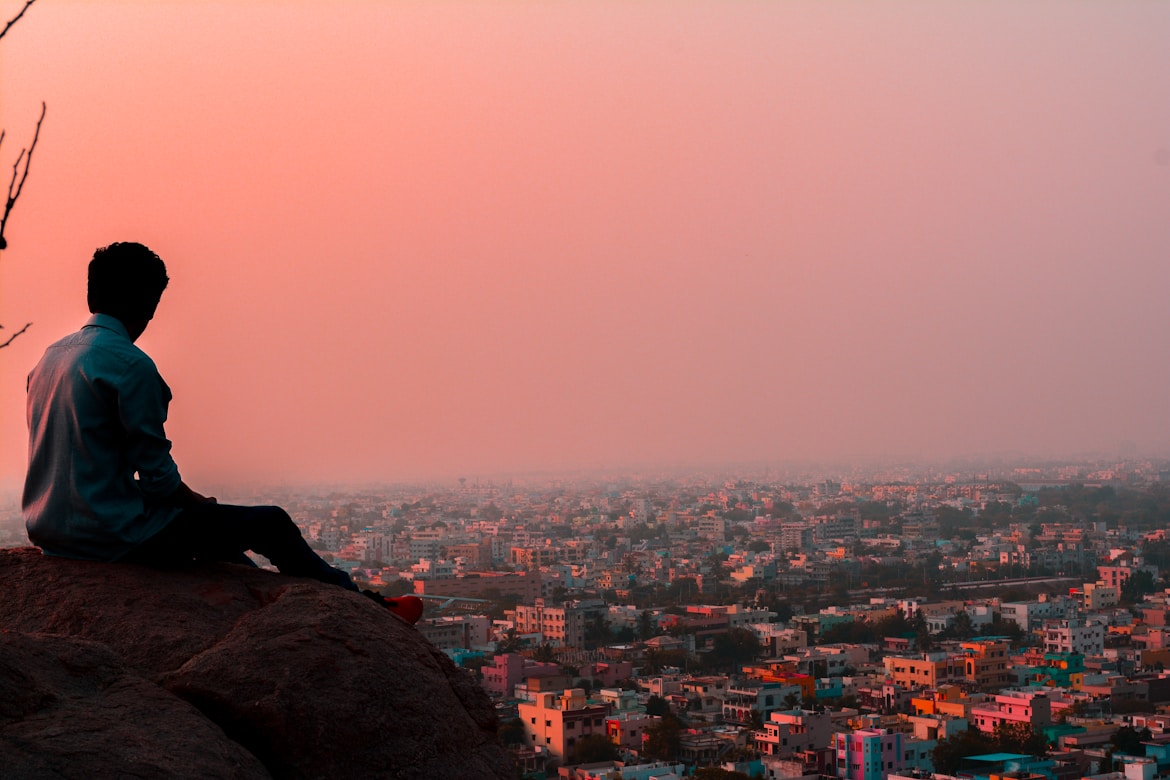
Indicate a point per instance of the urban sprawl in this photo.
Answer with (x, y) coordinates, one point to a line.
(911, 623)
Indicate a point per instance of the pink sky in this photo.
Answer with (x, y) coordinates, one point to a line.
(444, 238)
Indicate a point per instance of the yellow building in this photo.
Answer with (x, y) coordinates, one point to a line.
(925, 670)
(985, 663)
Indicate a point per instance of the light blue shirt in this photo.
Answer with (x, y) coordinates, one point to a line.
(96, 409)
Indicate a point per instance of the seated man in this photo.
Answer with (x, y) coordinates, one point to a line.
(102, 484)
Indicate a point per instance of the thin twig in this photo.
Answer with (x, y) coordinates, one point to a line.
(14, 335)
(16, 18)
(15, 187)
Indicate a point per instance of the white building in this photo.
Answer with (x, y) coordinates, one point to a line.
(1075, 635)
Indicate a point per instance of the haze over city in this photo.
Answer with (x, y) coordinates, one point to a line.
(458, 238)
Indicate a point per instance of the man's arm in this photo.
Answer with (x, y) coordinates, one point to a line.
(185, 496)
(143, 398)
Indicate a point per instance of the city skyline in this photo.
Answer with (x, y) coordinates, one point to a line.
(431, 240)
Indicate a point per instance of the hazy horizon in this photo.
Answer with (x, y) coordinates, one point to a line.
(461, 238)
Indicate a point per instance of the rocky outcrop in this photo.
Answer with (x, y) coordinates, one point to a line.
(111, 670)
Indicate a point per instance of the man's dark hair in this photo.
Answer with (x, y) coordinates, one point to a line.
(126, 280)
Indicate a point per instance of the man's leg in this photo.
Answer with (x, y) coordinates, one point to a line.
(222, 532)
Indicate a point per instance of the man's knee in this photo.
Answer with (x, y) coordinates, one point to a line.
(275, 521)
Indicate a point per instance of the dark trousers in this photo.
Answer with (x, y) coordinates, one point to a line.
(222, 532)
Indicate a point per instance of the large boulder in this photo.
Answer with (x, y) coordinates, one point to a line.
(110, 670)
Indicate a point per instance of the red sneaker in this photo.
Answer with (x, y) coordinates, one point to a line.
(408, 609)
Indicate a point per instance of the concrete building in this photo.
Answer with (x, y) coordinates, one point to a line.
(560, 626)
(558, 721)
(1098, 595)
(869, 754)
(985, 663)
(1075, 635)
(743, 702)
(461, 632)
(924, 670)
(524, 585)
(1030, 707)
(508, 670)
(787, 732)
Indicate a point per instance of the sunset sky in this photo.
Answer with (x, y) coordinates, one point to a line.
(413, 239)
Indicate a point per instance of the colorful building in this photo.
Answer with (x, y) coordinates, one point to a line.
(869, 754)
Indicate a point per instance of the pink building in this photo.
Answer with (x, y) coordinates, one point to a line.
(869, 754)
(510, 669)
(607, 674)
(1028, 707)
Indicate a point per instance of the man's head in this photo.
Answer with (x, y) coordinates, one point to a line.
(126, 281)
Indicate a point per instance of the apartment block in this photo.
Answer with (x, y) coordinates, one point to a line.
(1075, 635)
(869, 754)
(788, 732)
(558, 721)
(560, 626)
(1028, 707)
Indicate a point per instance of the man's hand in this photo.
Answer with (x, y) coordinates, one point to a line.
(185, 496)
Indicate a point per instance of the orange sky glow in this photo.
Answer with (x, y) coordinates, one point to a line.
(413, 239)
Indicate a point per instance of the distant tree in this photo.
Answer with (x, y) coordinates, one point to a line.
(647, 627)
(1128, 740)
(474, 666)
(950, 752)
(593, 748)
(656, 705)
(682, 590)
(597, 629)
(1020, 738)
(544, 653)
(509, 643)
(1137, 586)
(1157, 553)
(779, 508)
(511, 732)
(758, 546)
(961, 628)
(663, 738)
(735, 647)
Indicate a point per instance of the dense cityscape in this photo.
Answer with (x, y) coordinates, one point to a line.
(900, 622)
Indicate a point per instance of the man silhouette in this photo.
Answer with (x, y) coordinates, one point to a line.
(101, 482)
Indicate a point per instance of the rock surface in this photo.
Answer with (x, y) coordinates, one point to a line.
(110, 670)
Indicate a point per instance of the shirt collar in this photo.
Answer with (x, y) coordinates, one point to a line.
(108, 322)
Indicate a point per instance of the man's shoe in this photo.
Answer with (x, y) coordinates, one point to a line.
(408, 609)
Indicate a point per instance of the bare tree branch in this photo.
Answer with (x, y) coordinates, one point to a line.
(15, 186)
(14, 335)
(16, 18)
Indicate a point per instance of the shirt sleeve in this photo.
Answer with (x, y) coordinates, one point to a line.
(143, 398)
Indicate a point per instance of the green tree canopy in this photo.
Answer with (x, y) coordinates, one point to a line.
(663, 739)
(593, 748)
(733, 648)
(1128, 740)
(656, 705)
